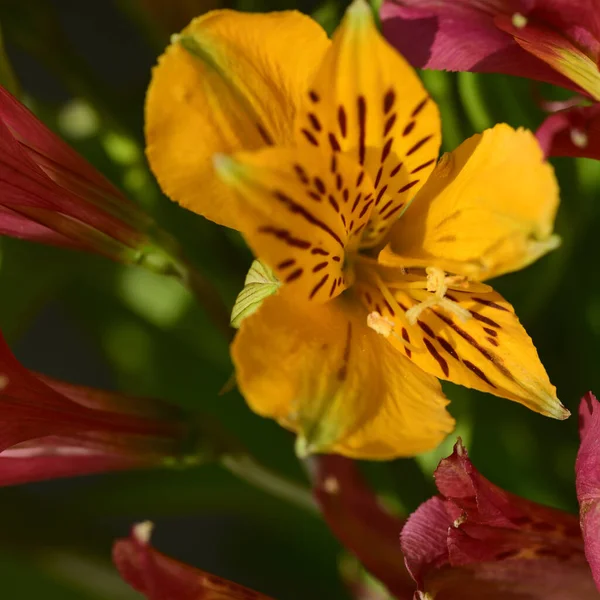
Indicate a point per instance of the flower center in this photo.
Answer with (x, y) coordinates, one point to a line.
(438, 283)
(428, 287)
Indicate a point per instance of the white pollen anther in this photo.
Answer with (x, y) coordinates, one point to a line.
(519, 20)
(331, 485)
(458, 522)
(438, 283)
(579, 138)
(143, 531)
(380, 324)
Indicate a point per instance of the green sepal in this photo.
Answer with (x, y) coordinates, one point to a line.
(260, 283)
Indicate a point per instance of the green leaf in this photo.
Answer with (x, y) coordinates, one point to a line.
(260, 283)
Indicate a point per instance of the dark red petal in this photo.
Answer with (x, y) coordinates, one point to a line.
(572, 132)
(358, 520)
(542, 579)
(159, 577)
(13, 224)
(44, 180)
(30, 131)
(110, 401)
(30, 408)
(482, 542)
(578, 20)
(587, 469)
(16, 471)
(484, 503)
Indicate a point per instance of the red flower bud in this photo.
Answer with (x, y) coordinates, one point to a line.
(50, 194)
(159, 577)
(50, 428)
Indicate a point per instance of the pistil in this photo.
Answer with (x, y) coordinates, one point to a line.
(438, 283)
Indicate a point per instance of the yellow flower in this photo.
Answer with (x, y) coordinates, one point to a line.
(324, 155)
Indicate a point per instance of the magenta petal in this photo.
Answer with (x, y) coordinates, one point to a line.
(359, 521)
(159, 577)
(587, 469)
(456, 35)
(578, 20)
(572, 132)
(451, 35)
(424, 539)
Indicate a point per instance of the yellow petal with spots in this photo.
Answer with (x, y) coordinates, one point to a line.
(489, 351)
(487, 209)
(230, 81)
(366, 101)
(321, 372)
(304, 212)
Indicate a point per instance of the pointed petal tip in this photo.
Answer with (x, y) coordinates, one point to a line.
(553, 242)
(560, 412)
(358, 11)
(142, 532)
(587, 407)
(546, 403)
(459, 447)
(587, 402)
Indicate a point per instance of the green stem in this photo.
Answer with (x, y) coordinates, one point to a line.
(209, 298)
(247, 468)
(163, 256)
(473, 101)
(575, 226)
(440, 86)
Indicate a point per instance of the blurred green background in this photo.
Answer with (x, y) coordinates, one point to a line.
(84, 67)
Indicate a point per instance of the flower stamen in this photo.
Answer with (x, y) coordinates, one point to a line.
(438, 283)
(385, 327)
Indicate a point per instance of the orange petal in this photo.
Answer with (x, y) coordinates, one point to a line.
(230, 81)
(367, 101)
(321, 372)
(303, 213)
(490, 351)
(487, 209)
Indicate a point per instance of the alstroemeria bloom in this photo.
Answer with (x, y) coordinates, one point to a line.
(50, 194)
(476, 540)
(50, 428)
(555, 41)
(336, 138)
(159, 577)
